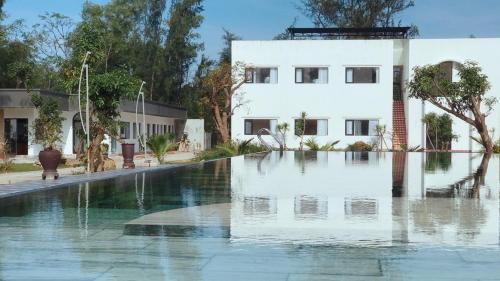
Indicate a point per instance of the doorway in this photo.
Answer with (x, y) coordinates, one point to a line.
(16, 135)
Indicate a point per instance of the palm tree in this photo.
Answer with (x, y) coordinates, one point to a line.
(300, 129)
(283, 129)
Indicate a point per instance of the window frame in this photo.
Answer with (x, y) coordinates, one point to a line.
(251, 72)
(377, 73)
(303, 68)
(353, 121)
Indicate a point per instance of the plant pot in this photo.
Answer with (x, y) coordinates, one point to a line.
(50, 160)
(128, 155)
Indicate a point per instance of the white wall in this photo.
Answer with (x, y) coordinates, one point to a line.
(195, 129)
(433, 51)
(131, 118)
(335, 101)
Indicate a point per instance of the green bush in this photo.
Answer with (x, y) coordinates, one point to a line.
(47, 127)
(159, 146)
(359, 146)
(315, 146)
(230, 149)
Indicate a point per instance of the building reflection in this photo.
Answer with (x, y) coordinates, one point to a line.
(390, 198)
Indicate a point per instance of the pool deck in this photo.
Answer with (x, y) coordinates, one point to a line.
(7, 190)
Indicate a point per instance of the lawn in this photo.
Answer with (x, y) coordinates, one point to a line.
(29, 167)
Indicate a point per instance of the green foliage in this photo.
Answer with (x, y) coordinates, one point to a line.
(181, 48)
(439, 130)
(464, 98)
(437, 160)
(359, 146)
(47, 127)
(159, 146)
(356, 13)
(230, 149)
(228, 38)
(315, 146)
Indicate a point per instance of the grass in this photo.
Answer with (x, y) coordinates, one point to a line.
(30, 167)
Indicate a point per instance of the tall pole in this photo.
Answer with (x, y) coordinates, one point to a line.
(87, 116)
(86, 127)
(142, 139)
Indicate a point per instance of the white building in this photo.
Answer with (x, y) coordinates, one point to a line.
(17, 114)
(347, 87)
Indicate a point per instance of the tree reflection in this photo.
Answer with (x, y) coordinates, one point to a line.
(456, 205)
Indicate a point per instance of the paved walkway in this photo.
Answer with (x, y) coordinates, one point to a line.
(18, 183)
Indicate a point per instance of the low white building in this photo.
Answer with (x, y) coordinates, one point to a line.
(348, 86)
(17, 114)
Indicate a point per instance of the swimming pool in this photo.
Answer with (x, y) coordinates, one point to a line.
(291, 216)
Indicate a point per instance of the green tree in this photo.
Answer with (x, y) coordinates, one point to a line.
(108, 83)
(463, 99)
(300, 128)
(356, 13)
(228, 37)
(181, 47)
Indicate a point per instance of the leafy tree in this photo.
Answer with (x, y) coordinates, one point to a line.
(108, 83)
(221, 88)
(300, 128)
(463, 99)
(47, 127)
(181, 48)
(228, 38)
(356, 13)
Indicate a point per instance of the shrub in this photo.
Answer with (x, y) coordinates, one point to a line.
(359, 146)
(315, 146)
(159, 146)
(230, 149)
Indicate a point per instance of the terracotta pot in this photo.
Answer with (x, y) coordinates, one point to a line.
(128, 155)
(50, 159)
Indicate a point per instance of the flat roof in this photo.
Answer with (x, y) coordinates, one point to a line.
(348, 32)
(19, 98)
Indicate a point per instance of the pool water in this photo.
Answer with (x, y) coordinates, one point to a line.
(290, 216)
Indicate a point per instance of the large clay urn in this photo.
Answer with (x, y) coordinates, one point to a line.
(49, 159)
(128, 155)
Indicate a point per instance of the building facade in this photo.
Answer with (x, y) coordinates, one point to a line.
(17, 114)
(347, 87)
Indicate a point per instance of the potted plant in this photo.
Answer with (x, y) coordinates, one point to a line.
(47, 131)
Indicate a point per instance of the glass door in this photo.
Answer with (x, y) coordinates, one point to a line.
(16, 134)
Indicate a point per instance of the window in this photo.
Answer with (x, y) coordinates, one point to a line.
(134, 132)
(149, 129)
(361, 75)
(261, 75)
(124, 130)
(314, 127)
(311, 75)
(361, 127)
(252, 126)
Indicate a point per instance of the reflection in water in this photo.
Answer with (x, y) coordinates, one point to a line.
(388, 202)
(310, 207)
(363, 208)
(383, 196)
(361, 157)
(437, 161)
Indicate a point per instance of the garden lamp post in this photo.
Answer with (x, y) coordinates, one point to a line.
(142, 139)
(86, 126)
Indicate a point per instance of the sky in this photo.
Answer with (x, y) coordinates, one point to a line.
(263, 19)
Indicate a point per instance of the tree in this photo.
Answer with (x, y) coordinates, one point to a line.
(300, 128)
(1, 5)
(467, 96)
(108, 83)
(283, 129)
(181, 48)
(228, 38)
(356, 13)
(221, 89)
